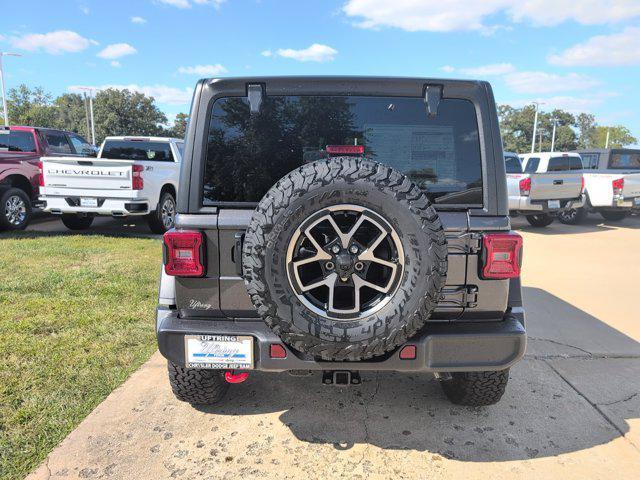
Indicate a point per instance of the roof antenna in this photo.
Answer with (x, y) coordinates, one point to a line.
(432, 97)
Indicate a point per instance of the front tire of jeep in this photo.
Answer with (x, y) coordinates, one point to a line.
(540, 220)
(476, 389)
(197, 387)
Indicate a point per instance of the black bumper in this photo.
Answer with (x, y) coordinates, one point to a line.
(440, 347)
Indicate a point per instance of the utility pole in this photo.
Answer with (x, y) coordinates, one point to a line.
(4, 95)
(86, 114)
(553, 136)
(540, 141)
(90, 113)
(606, 143)
(535, 126)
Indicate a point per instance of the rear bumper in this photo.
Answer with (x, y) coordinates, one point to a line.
(117, 207)
(527, 206)
(442, 347)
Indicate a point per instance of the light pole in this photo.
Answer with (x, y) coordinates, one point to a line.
(606, 142)
(4, 95)
(553, 135)
(535, 126)
(93, 127)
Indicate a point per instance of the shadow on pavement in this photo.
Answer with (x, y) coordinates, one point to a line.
(542, 414)
(593, 223)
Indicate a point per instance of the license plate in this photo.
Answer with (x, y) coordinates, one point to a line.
(637, 201)
(218, 351)
(88, 202)
(554, 204)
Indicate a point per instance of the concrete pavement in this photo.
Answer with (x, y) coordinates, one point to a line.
(572, 408)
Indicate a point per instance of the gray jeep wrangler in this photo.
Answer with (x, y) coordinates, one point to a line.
(339, 225)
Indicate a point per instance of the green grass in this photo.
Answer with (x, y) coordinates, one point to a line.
(76, 318)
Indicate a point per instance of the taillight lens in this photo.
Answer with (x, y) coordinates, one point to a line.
(183, 253)
(582, 187)
(618, 185)
(40, 175)
(502, 255)
(345, 149)
(525, 186)
(137, 183)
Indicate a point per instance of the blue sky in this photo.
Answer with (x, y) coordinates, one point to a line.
(581, 56)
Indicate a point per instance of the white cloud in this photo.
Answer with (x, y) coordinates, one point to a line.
(206, 70)
(186, 4)
(162, 93)
(138, 20)
(115, 64)
(56, 42)
(603, 50)
(315, 53)
(451, 15)
(586, 103)
(266, 53)
(489, 70)
(117, 50)
(543, 82)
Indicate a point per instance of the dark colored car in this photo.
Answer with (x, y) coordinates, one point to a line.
(20, 152)
(338, 225)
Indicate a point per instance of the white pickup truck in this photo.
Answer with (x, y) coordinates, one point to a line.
(130, 176)
(612, 184)
(542, 185)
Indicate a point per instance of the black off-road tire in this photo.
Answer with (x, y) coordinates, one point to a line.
(76, 222)
(574, 216)
(476, 389)
(345, 181)
(540, 220)
(155, 218)
(197, 387)
(8, 195)
(613, 215)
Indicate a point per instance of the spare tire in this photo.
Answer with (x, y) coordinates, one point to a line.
(345, 259)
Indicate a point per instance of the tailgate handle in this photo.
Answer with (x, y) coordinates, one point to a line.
(558, 182)
(236, 252)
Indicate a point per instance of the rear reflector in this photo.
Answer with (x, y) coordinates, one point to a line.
(501, 254)
(525, 186)
(277, 351)
(183, 253)
(346, 149)
(408, 352)
(40, 175)
(137, 183)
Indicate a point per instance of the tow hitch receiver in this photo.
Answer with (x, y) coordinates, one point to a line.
(341, 378)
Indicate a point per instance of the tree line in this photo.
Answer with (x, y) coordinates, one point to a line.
(116, 112)
(125, 112)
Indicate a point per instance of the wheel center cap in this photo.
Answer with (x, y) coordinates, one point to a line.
(344, 262)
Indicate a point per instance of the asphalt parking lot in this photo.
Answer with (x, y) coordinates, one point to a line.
(572, 408)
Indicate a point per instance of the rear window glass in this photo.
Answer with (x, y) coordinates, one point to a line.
(137, 150)
(247, 154)
(58, 143)
(532, 165)
(625, 159)
(512, 164)
(590, 160)
(563, 164)
(16, 141)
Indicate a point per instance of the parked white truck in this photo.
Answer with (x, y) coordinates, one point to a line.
(612, 184)
(542, 185)
(131, 176)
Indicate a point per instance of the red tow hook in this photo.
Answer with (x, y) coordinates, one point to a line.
(231, 377)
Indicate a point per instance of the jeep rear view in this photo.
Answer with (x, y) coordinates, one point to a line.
(342, 225)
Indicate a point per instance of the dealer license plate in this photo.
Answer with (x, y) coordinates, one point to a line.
(637, 201)
(218, 351)
(88, 202)
(554, 204)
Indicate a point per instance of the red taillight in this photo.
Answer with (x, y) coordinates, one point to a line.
(525, 186)
(408, 352)
(618, 185)
(582, 187)
(346, 149)
(277, 351)
(137, 183)
(502, 255)
(183, 253)
(40, 175)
